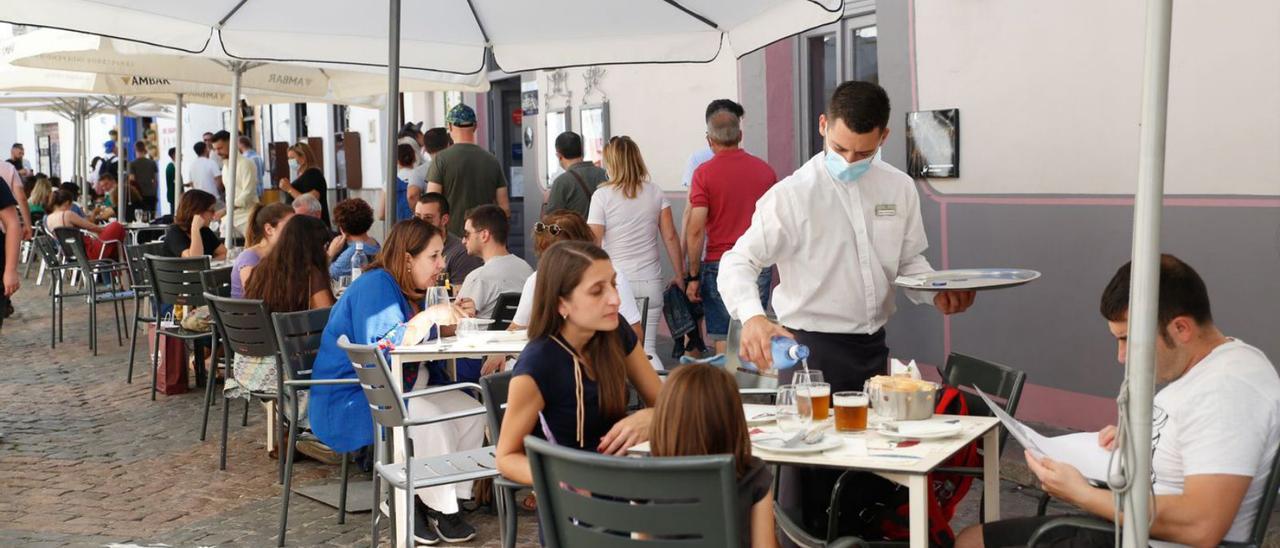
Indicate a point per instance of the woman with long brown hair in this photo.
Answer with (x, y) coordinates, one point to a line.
(384, 306)
(628, 214)
(266, 222)
(307, 178)
(699, 412)
(189, 235)
(574, 372)
(108, 236)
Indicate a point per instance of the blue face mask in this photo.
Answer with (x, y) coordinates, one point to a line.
(846, 172)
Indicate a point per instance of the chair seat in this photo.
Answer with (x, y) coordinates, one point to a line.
(445, 469)
(505, 483)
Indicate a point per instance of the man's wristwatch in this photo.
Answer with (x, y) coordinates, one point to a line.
(692, 278)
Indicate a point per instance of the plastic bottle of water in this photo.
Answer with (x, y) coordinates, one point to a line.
(358, 260)
(786, 354)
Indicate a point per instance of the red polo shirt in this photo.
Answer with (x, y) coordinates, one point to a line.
(728, 185)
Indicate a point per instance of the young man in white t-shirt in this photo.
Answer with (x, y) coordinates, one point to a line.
(485, 235)
(1215, 430)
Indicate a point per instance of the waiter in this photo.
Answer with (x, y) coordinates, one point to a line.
(840, 230)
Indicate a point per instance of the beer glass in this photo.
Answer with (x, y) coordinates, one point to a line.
(816, 398)
(850, 410)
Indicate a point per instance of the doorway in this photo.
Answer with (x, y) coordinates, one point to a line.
(505, 126)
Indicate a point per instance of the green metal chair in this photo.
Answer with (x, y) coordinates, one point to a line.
(1257, 537)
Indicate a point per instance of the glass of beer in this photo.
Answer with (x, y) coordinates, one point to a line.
(851, 411)
(815, 399)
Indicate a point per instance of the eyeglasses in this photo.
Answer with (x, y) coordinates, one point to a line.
(554, 230)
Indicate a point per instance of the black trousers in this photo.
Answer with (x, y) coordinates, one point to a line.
(846, 362)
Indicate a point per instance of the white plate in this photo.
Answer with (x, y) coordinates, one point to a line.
(967, 279)
(773, 442)
(952, 430)
(759, 414)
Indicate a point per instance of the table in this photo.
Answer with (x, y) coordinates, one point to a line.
(912, 473)
(450, 349)
(133, 230)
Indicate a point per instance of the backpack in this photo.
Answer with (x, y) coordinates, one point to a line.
(878, 509)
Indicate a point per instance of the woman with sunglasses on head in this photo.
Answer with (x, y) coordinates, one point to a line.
(570, 384)
(628, 213)
(563, 226)
(385, 307)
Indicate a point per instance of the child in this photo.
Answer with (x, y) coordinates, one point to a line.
(699, 413)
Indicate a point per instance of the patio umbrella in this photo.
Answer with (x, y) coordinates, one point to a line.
(449, 36)
(74, 51)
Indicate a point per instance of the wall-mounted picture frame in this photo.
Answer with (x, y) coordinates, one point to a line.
(933, 143)
(557, 121)
(594, 125)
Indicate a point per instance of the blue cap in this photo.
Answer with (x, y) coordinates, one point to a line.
(461, 115)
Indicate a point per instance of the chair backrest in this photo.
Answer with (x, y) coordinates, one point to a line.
(504, 311)
(48, 249)
(298, 337)
(385, 401)
(71, 243)
(1267, 504)
(642, 303)
(244, 325)
(586, 499)
(1001, 382)
(135, 255)
(216, 281)
(495, 388)
(176, 280)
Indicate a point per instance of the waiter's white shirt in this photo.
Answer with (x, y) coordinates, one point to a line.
(836, 257)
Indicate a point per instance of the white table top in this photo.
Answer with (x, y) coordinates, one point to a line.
(451, 348)
(853, 454)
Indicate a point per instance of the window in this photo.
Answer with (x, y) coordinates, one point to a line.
(828, 56)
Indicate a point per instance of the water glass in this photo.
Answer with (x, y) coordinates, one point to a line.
(791, 416)
(807, 376)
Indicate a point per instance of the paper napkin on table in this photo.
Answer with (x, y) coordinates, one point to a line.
(896, 367)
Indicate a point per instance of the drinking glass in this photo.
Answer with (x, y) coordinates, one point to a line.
(807, 376)
(441, 313)
(791, 416)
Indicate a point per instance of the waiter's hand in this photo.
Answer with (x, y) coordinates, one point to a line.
(757, 340)
(954, 302)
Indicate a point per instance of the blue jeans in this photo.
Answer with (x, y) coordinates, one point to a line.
(713, 309)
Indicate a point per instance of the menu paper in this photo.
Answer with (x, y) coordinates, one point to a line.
(1080, 450)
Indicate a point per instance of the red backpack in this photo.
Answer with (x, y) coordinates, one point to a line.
(947, 490)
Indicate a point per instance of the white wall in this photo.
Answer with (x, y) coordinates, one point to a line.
(1060, 82)
(661, 107)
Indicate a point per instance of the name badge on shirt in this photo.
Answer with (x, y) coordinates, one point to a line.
(886, 210)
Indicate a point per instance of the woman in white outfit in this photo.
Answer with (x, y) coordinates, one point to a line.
(628, 212)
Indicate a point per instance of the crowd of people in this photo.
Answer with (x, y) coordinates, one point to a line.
(819, 248)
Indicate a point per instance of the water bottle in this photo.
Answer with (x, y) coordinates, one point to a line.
(786, 354)
(358, 260)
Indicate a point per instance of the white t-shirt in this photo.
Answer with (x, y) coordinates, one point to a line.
(1221, 417)
(630, 312)
(505, 274)
(630, 228)
(204, 175)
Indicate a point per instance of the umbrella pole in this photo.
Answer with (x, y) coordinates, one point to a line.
(177, 163)
(1144, 282)
(228, 226)
(122, 206)
(393, 114)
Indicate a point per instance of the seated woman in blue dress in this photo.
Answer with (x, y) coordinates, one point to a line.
(384, 306)
(570, 383)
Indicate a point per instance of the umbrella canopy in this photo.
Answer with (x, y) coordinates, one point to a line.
(446, 35)
(73, 51)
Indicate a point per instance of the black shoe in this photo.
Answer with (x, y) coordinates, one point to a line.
(451, 527)
(422, 531)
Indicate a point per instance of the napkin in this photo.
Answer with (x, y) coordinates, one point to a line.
(896, 367)
(912, 281)
(926, 428)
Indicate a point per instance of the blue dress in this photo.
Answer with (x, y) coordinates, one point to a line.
(371, 310)
(403, 211)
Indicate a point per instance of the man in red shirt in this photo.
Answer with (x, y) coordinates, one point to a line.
(722, 199)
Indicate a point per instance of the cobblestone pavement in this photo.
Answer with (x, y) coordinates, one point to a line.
(89, 460)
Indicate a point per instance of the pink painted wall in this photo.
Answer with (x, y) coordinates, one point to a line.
(780, 94)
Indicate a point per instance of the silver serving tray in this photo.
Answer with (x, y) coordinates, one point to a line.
(967, 279)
